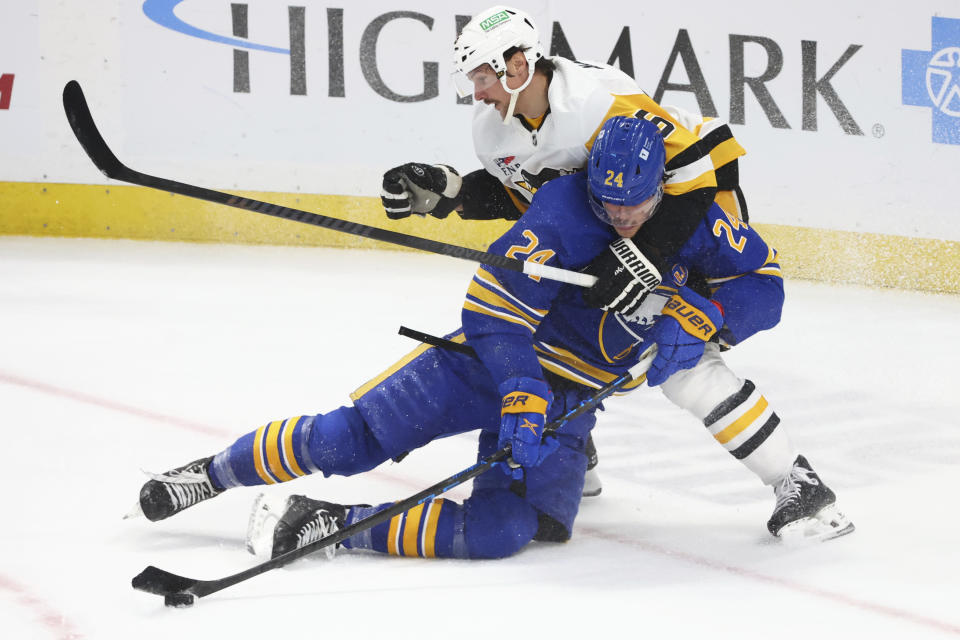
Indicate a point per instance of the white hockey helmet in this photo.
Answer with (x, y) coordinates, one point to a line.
(484, 40)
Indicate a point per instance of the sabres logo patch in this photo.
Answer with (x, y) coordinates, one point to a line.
(680, 274)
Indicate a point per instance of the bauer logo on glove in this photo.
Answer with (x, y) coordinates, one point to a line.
(523, 415)
(688, 321)
(691, 319)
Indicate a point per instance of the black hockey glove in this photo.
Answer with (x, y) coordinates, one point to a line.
(421, 189)
(625, 275)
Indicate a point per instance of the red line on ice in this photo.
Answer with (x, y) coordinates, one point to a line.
(51, 618)
(55, 621)
(836, 598)
(112, 405)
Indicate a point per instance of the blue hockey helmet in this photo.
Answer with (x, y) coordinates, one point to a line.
(626, 168)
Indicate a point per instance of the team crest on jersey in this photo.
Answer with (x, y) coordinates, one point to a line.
(507, 164)
(680, 274)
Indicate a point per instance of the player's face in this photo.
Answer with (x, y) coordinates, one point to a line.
(482, 78)
(627, 220)
(488, 88)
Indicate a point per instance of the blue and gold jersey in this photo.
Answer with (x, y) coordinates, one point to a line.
(521, 325)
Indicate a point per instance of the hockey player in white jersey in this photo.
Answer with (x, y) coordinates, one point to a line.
(536, 118)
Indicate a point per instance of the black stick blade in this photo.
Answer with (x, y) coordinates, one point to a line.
(84, 128)
(160, 582)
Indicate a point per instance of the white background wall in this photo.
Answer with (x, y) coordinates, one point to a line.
(165, 100)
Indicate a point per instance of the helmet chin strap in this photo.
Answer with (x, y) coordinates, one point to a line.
(514, 94)
(513, 104)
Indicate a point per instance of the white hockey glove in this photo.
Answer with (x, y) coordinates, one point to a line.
(421, 189)
(624, 278)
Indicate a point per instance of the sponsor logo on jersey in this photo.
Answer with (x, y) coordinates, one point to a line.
(507, 164)
(931, 79)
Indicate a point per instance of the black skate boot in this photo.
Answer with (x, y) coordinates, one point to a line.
(806, 508)
(278, 527)
(171, 492)
(591, 481)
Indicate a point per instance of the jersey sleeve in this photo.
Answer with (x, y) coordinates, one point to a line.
(503, 308)
(484, 197)
(742, 273)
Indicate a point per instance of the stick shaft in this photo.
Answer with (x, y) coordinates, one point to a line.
(87, 133)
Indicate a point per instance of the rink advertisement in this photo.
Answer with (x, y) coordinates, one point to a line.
(852, 125)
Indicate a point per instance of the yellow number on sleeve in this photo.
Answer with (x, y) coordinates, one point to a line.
(520, 250)
(720, 227)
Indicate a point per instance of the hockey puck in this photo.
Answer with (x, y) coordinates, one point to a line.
(180, 600)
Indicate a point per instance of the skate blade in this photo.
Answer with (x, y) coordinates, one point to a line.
(264, 516)
(135, 512)
(827, 524)
(592, 486)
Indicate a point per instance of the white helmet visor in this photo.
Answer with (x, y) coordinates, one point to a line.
(478, 79)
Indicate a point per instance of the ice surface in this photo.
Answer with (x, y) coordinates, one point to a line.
(120, 356)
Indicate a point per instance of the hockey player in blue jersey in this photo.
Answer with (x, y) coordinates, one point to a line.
(540, 350)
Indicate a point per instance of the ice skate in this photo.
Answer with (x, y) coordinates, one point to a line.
(806, 508)
(591, 481)
(170, 493)
(279, 525)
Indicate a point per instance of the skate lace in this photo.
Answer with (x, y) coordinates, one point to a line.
(186, 487)
(318, 527)
(789, 488)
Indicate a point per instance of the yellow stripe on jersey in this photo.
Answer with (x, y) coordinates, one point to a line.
(430, 530)
(690, 177)
(726, 152)
(521, 204)
(488, 278)
(730, 203)
(411, 529)
(623, 105)
(494, 299)
(566, 365)
(399, 364)
(769, 268)
(470, 306)
(697, 173)
(603, 349)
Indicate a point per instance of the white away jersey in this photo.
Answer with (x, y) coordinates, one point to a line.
(582, 97)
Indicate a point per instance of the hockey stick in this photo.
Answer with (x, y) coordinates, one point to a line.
(181, 591)
(443, 343)
(85, 129)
